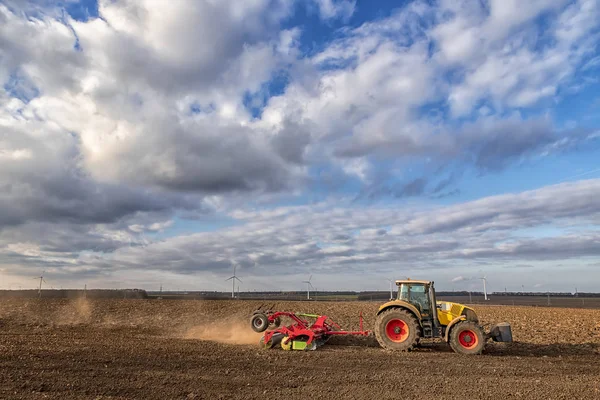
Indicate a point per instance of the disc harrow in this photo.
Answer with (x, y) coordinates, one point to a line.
(306, 332)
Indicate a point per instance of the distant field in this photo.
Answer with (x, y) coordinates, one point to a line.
(539, 301)
(269, 297)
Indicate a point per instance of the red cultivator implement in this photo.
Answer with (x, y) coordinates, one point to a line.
(301, 334)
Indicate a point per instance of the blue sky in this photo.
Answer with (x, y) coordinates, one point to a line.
(147, 142)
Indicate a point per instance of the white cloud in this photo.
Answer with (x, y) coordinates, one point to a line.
(508, 61)
(459, 279)
(329, 9)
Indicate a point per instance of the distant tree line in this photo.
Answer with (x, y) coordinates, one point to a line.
(262, 295)
(76, 293)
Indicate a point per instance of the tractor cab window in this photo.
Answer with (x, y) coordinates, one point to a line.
(404, 292)
(414, 294)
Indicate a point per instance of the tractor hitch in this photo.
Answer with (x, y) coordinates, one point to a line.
(501, 332)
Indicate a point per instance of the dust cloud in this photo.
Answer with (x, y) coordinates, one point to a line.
(229, 332)
(75, 312)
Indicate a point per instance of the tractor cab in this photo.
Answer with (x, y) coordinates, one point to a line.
(421, 295)
(416, 293)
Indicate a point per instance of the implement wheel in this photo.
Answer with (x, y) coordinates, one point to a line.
(467, 338)
(263, 345)
(275, 324)
(397, 329)
(259, 322)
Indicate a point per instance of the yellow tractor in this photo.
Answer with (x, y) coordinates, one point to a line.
(416, 314)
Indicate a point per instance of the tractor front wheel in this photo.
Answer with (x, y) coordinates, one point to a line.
(397, 329)
(466, 337)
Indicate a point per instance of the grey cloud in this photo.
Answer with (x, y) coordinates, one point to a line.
(517, 266)
(563, 247)
(291, 143)
(48, 185)
(495, 144)
(205, 159)
(451, 193)
(337, 238)
(443, 184)
(489, 144)
(68, 239)
(413, 188)
(505, 212)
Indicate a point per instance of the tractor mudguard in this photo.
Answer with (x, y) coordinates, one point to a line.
(401, 304)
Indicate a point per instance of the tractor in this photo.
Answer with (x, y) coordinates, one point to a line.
(416, 314)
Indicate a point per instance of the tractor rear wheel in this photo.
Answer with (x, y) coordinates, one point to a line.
(397, 329)
(466, 337)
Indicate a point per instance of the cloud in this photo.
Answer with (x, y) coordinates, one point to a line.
(329, 9)
(169, 112)
(119, 110)
(511, 62)
(340, 237)
(376, 91)
(330, 237)
(42, 179)
(517, 266)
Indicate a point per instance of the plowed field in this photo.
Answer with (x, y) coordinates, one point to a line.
(157, 349)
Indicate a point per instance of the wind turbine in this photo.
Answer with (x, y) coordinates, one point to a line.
(484, 287)
(308, 286)
(41, 278)
(391, 288)
(233, 278)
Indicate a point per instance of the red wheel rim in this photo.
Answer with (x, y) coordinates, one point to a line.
(467, 339)
(397, 330)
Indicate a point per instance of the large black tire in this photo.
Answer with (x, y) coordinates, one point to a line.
(467, 337)
(397, 329)
(259, 322)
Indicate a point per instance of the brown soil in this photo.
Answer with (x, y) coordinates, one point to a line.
(153, 349)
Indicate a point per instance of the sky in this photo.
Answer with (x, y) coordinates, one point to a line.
(148, 142)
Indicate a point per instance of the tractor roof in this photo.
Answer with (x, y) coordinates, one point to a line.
(399, 282)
